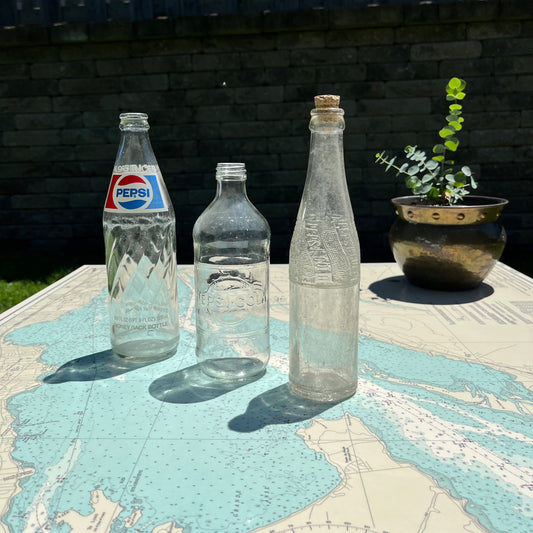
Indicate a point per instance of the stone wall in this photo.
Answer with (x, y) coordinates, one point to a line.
(240, 88)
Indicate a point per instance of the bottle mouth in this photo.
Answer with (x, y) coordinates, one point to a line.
(327, 120)
(134, 121)
(321, 111)
(231, 171)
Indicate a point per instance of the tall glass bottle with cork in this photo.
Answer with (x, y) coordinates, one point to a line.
(231, 266)
(324, 269)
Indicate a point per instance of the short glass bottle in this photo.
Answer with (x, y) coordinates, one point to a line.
(231, 271)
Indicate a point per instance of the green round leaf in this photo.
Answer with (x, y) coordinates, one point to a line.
(452, 144)
(446, 132)
(454, 83)
(412, 183)
(423, 189)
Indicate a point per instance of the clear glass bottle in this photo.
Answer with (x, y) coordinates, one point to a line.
(231, 266)
(140, 244)
(324, 269)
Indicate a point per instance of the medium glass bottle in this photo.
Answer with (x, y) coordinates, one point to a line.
(231, 266)
(324, 269)
(140, 244)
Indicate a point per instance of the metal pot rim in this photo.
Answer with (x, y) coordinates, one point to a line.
(474, 210)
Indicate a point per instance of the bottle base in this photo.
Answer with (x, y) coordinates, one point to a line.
(323, 387)
(145, 351)
(233, 368)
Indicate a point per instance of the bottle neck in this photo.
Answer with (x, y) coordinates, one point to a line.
(231, 180)
(326, 154)
(135, 148)
(326, 150)
(326, 192)
(226, 188)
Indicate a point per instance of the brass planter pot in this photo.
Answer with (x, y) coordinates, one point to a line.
(447, 247)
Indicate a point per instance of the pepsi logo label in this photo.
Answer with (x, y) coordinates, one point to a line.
(133, 192)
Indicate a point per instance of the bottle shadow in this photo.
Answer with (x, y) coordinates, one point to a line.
(399, 289)
(277, 406)
(192, 385)
(99, 365)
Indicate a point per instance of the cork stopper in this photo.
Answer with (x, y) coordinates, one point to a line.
(327, 101)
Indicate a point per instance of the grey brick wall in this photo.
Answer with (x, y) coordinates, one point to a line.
(240, 88)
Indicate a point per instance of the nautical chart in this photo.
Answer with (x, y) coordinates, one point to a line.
(438, 437)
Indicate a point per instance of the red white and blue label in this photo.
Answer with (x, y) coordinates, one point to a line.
(131, 193)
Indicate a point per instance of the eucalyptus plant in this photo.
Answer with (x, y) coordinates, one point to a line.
(434, 179)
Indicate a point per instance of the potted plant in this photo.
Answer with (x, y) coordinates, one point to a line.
(444, 238)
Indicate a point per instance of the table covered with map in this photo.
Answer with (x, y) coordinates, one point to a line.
(438, 438)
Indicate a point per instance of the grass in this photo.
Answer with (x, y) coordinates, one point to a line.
(21, 276)
(13, 292)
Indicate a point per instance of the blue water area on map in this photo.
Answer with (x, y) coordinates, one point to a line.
(174, 461)
(232, 460)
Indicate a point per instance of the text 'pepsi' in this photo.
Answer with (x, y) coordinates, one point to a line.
(135, 192)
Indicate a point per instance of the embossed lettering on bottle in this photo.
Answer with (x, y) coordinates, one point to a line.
(231, 299)
(231, 265)
(326, 249)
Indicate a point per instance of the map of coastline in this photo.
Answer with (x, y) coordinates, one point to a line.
(435, 439)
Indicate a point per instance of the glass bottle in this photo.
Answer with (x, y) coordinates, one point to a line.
(231, 266)
(140, 245)
(324, 269)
